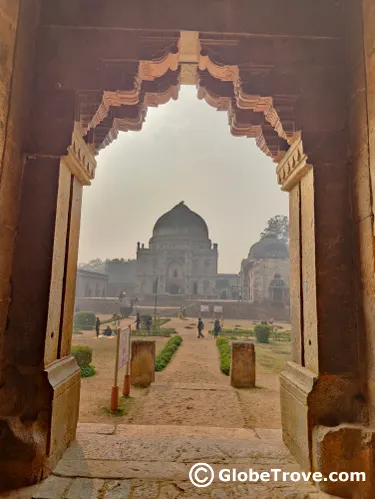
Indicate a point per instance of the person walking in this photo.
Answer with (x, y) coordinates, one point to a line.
(217, 328)
(200, 328)
(97, 327)
(137, 321)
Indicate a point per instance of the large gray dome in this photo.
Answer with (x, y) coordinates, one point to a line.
(269, 246)
(180, 220)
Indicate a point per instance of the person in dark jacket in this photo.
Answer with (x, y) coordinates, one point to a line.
(108, 331)
(200, 328)
(217, 328)
(97, 326)
(137, 321)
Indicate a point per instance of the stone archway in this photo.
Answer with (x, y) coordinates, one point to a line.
(174, 278)
(95, 72)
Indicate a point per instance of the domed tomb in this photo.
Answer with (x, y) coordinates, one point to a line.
(269, 246)
(181, 220)
(265, 272)
(180, 255)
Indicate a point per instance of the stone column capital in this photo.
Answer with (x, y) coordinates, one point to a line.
(80, 159)
(292, 164)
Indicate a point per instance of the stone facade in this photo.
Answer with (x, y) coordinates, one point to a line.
(122, 277)
(228, 286)
(91, 284)
(265, 272)
(180, 255)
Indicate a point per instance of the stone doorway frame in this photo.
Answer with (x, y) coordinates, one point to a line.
(78, 105)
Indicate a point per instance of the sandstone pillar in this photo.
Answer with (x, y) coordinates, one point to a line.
(321, 386)
(39, 400)
(142, 363)
(242, 370)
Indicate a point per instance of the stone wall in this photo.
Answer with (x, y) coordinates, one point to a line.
(363, 163)
(91, 285)
(17, 28)
(16, 59)
(243, 310)
(99, 305)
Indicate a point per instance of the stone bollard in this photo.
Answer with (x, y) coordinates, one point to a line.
(142, 369)
(242, 370)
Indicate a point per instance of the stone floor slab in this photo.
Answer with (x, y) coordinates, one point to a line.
(105, 469)
(83, 488)
(218, 433)
(173, 449)
(270, 434)
(101, 429)
(191, 386)
(54, 487)
(118, 489)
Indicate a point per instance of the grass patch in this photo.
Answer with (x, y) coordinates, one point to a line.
(123, 407)
(155, 330)
(225, 354)
(165, 356)
(276, 335)
(273, 356)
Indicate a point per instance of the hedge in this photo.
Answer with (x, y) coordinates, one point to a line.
(225, 355)
(82, 354)
(84, 320)
(165, 356)
(262, 333)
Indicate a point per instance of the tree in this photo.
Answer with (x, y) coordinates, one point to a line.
(278, 225)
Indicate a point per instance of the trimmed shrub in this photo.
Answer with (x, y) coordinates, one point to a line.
(225, 355)
(84, 320)
(165, 356)
(82, 354)
(262, 333)
(126, 311)
(87, 371)
(235, 331)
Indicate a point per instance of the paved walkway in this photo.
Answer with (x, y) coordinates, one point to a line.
(190, 415)
(153, 462)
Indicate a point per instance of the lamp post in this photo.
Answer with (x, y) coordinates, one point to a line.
(156, 297)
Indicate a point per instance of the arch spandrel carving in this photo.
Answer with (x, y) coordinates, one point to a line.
(221, 85)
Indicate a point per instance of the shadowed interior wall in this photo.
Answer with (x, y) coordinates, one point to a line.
(18, 20)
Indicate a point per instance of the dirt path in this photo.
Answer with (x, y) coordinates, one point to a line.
(191, 390)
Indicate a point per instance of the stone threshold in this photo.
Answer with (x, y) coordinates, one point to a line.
(191, 386)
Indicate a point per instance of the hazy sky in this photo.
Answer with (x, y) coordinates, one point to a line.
(185, 152)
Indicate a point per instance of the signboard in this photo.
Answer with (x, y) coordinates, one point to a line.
(218, 309)
(124, 349)
(205, 308)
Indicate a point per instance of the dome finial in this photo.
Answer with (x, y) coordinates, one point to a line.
(181, 202)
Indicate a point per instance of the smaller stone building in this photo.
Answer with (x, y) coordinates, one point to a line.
(122, 277)
(228, 286)
(91, 284)
(265, 272)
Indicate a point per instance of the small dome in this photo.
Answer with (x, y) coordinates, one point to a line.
(180, 220)
(269, 246)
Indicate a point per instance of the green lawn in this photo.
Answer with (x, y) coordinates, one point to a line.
(274, 355)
